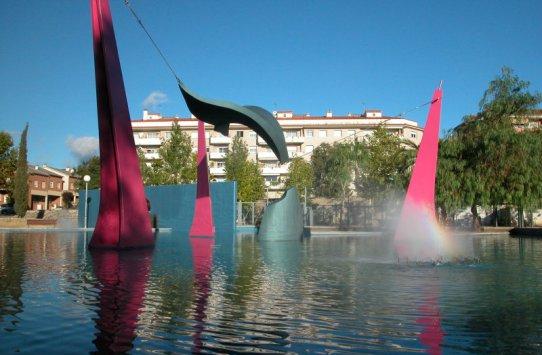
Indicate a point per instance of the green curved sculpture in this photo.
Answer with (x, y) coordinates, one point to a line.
(283, 219)
(221, 113)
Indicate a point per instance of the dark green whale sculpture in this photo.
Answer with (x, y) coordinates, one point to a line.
(221, 113)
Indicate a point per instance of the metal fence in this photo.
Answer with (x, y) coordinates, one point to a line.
(250, 213)
(350, 216)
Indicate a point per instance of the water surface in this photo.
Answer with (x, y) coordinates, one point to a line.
(236, 295)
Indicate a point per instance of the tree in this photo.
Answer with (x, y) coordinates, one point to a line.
(494, 154)
(8, 161)
(20, 192)
(90, 167)
(176, 164)
(300, 175)
(384, 173)
(333, 167)
(67, 199)
(449, 173)
(250, 182)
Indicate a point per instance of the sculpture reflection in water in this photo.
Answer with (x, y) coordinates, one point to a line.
(122, 277)
(431, 335)
(202, 259)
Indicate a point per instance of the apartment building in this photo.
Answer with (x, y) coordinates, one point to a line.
(303, 133)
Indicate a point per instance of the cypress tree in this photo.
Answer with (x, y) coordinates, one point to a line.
(20, 192)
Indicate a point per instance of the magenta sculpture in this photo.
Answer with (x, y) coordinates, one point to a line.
(123, 220)
(415, 234)
(202, 223)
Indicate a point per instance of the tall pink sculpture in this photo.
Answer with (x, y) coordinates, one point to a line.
(123, 219)
(202, 223)
(413, 236)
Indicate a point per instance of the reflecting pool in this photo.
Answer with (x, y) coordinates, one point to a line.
(234, 294)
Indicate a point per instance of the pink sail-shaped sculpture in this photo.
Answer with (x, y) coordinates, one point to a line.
(202, 223)
(123, 219)
(416, 235)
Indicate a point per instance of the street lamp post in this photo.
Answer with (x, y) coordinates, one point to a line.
(86, 178)
(267, 183)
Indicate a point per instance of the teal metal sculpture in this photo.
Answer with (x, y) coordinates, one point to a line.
(283, 219)
(221, 113)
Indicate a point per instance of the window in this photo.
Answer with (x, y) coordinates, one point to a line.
(252, 134)
(58, 185)
(43, 184)
(290, 133)
(309, 148)
(35, 183)
(223, 150)
(337, 133)
(220, 164)
(412, 135)
(152, 134)
(239, 133)
(322, 133)
(71, 185)
(310, 133)
(168, 135)
(51, 184)
(252, 150)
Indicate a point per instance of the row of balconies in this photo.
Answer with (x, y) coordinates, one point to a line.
(214, 140)
(266, 171)
(263, 156)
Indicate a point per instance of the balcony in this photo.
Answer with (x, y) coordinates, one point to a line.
(267, 156)
(217, 155)
(217, 171)
(278, 170)
(221, 140)
(147, 141)
(151, 156)
(294, 140)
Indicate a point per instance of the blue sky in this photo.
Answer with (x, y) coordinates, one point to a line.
(307, 56)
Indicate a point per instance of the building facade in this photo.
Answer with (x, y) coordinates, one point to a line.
(303, 133)
(46, 185)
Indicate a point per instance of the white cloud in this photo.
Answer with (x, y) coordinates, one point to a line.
(155, 99)
(83, 148)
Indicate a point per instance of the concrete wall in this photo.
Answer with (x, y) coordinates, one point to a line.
(174, 205)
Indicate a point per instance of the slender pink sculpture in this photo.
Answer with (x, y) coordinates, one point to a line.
(123, 220)
(202, 223)
(412, 236)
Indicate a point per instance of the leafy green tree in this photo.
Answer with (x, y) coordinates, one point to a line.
(300, 175)
(333, 167)
(250, 182)
(176, 163)
(8, 161)
(494, 151)
(90, 167)
(20, 192)
(449, 174)
(385, 171)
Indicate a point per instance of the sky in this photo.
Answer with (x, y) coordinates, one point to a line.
(305, 56)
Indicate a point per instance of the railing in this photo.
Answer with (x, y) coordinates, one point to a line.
(217, 155)
(220, 140)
